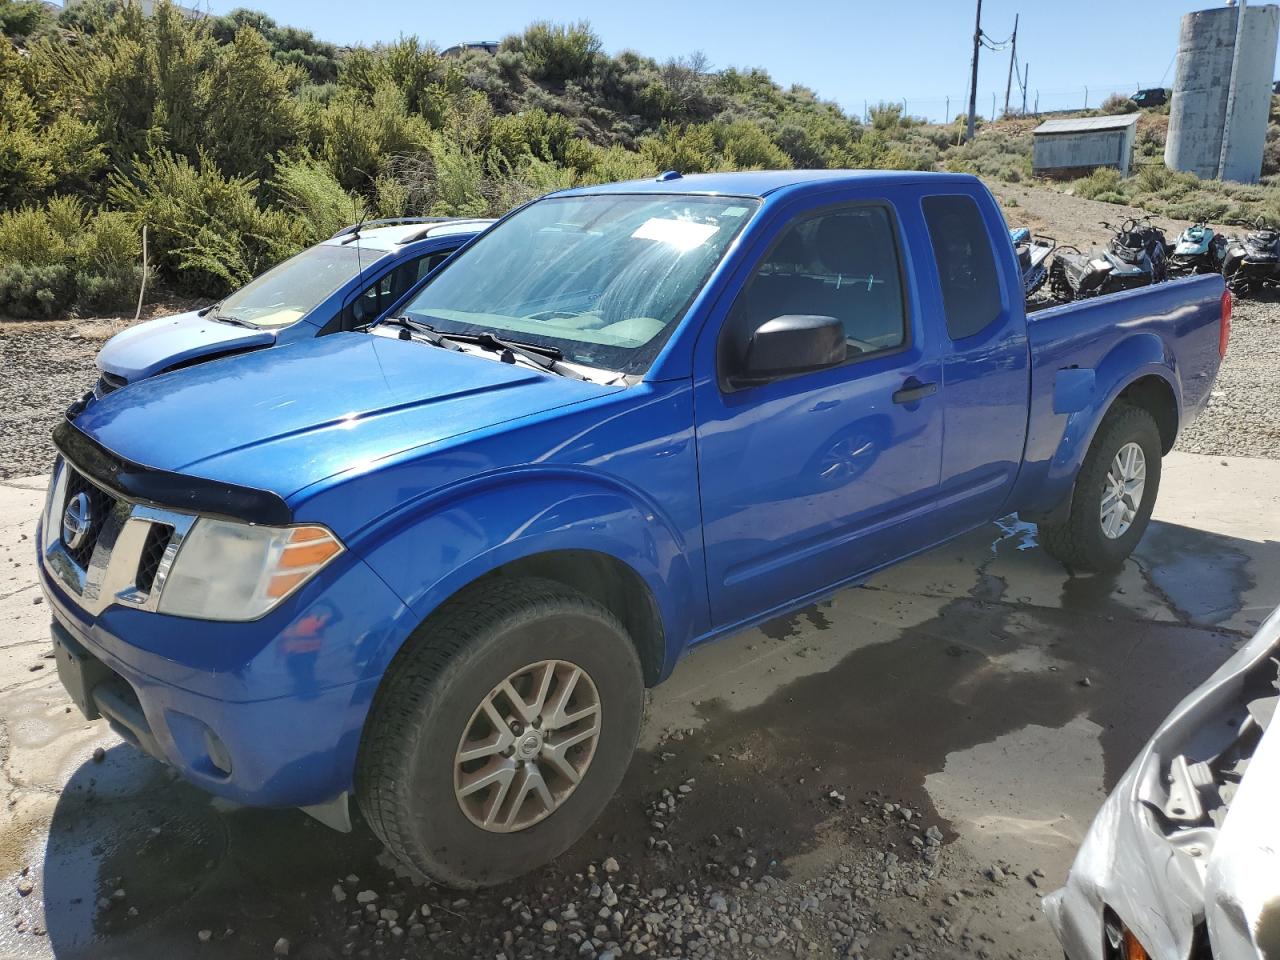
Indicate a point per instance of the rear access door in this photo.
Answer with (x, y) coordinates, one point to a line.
(985, 358)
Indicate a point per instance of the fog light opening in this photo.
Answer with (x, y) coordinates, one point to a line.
(217, 751)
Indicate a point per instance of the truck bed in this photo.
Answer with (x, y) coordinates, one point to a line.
(1169, 335)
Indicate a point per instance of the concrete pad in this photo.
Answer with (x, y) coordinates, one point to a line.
(1025, 798)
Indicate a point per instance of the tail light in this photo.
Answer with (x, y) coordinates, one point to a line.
(1224, 329)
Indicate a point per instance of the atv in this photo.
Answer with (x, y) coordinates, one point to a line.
(1198, 249)
(1135, 257)
(1254, 262)
(1033, 253)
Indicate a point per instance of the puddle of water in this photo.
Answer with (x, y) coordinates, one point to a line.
(784, 628)
(1202, 575)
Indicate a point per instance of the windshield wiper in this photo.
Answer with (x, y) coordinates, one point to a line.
(548, 358)
(543, 357)
(234, 321)
(424, 331)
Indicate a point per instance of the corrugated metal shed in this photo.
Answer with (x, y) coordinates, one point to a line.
(1071, 146)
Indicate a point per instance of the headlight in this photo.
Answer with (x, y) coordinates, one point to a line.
(235, 571)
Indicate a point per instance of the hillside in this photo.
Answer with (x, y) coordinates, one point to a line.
(237, 141)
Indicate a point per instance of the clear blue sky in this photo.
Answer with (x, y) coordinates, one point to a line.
(846, 50)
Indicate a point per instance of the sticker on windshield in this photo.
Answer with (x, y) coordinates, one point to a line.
(733, 211)
(681, 234)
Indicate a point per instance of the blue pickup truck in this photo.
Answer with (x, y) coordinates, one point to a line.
(338, 284)
(430, 567)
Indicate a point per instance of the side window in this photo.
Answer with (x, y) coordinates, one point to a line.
(844, 264)
(966, 265)
(392, 285)
(429, 263)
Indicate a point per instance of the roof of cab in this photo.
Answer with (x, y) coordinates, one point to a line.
(390, 237)
(761, 183)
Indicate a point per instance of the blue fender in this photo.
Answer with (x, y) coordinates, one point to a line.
(438, 544)
(1134, 357)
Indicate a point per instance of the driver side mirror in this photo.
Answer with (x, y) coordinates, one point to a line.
(790, 345)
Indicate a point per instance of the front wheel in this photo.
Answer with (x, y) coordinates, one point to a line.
(1114, 494)
(500, 732)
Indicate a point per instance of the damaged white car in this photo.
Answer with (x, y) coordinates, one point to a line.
(1183, 860)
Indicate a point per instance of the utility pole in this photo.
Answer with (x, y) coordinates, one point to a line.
(1013, 56)
(1026, 72)
(973, 79)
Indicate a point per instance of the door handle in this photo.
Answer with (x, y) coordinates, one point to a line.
(914, 390)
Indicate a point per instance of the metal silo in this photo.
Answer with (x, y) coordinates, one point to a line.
(1222, 91)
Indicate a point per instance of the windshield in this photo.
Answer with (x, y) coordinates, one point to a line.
(604, 278)
(289, 291)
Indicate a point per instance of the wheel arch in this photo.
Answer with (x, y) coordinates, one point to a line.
(1141, 370)
(612, 583)
(1149, 385)
(587, 533)
(1154, 394)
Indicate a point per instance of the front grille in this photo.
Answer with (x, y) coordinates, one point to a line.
(109, 383)
(101, 504)
(152, 552)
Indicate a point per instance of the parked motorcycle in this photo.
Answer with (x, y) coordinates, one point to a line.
(1033, 253)
(1254, 262)
(1134, 257)
(1198, 249)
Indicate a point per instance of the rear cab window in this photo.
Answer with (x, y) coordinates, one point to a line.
(966, 264)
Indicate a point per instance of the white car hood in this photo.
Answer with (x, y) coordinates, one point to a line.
(1242, 884)
(1153, 882)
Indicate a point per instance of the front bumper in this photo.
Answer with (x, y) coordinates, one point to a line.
(265, 713)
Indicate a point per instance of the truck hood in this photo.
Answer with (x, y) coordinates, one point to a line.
(146, 349)
(285, 418)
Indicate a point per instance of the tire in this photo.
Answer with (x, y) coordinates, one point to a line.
(1080, 542)
(433, 694)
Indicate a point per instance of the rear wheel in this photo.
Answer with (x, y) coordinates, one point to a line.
(500, 732)
(1114, 494)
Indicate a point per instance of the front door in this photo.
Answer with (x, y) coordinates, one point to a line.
(808, 481)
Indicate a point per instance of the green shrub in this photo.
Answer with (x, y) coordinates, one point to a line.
(357, 137)
(25, 20)
(251, 113)
(745, 146)
(1103, 180)
(107, 261)
(688, 149)
(309, 191)
(557, 52)
(30, 291)
(1118, 103)
(886, 116)
(58, 257)
(208, 231)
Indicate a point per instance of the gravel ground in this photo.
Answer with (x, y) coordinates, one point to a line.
(47, 365)
(1243, 416)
